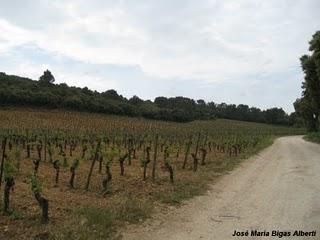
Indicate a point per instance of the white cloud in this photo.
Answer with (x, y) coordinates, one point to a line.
(208, 40)
(12, 36)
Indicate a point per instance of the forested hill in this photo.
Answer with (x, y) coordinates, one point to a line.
(19, 91)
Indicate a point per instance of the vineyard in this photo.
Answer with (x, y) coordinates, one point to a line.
(67, 175)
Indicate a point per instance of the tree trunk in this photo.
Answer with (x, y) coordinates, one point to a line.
(154, 165)
(203, 156)
(9, 184)
(84, 149)
(57, 176)
(108, 172)
(4, 143)
(36, 164)
(195, 162)
(197, 145)
(100, 164)
(316, 120)
(134, 154)
(121, 162)
(187, 153)
(57, 168)
(28, 151)
(39, 149)
(146, 161)
(129, 156)
(45, 148)
(170, 170)
(44, 204)
(73, 173)
(105, 183)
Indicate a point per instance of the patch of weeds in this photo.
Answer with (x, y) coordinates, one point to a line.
(132, 209)
(16, 215)
(75, 232)
(93, 216)
(313, 137)
(183, 190)
(10, 213)
(65, 233)
(90, 223)
(173, 198)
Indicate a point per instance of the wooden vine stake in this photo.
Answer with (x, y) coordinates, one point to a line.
(95, 158)
(187, 152)
(43, 202)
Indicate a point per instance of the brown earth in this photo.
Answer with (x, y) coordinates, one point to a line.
(279, 189)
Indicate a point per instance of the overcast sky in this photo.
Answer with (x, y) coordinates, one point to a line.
(241, 51)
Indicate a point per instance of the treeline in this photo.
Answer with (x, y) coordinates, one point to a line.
(20, 91)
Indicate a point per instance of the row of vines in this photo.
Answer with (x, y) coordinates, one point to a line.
(61, 144)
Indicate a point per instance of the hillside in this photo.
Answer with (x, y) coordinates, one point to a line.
(19, 91)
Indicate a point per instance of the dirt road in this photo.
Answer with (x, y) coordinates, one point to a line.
(279, 189)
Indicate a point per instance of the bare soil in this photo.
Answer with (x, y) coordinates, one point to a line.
(278, 189)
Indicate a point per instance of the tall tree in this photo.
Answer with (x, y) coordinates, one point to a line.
(308, 106)
(47, 77)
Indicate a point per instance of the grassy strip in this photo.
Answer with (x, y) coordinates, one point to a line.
(92, 222)
(313, 137)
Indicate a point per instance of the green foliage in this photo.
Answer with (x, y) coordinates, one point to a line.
(16, 215)
(132, 209)
(17, 156)
(35, 184)
(46, 78)
(109, 154)
(92, 152)
(75, 163)
(98, 223)
(9, 169)
(313, 137)
(65, 160)
(142, 161)
(50, 151)
(276, 116)
(181, 192)
(172, 150)
(94, 216)
(308, 106)
(19, 91)
(92, 223)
